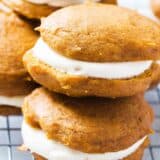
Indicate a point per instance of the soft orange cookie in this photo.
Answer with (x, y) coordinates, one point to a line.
(16, 37)
(155, 4)
(96, 50)
(58, 127)
(36, 9)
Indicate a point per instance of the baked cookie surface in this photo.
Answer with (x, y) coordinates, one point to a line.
(101, 33)
(34, 10)
(16, 37)
(156, 78)
(9, 110)
(82, 53)
(90, 125)
(29, 10)
(155, 4)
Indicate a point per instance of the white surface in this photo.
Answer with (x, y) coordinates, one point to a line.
(12, 101)
(112, 70)
(38, 143)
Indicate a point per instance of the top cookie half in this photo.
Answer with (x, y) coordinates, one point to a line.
(101, 33)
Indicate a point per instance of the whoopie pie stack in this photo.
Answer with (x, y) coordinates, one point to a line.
(16, 37)
(94, 62)
(18, 19)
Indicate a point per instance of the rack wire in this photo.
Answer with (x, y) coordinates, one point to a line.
(10, 136)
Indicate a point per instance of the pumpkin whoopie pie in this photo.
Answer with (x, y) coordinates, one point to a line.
(36, 9)
(60, 127)
(82, 53)
(16, 37)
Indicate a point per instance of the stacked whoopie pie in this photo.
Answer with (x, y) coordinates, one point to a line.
(95, 62)
(16, 37)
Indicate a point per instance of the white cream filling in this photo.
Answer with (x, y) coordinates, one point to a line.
(37, 142)
(109, 70)
(58, 3)
(15, 101)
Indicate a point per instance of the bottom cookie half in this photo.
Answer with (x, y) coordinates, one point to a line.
(9, 110)
(135, 156)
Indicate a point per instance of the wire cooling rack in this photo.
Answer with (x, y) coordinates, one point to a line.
(10, 134)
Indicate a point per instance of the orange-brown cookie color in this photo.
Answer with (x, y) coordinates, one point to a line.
(16, 37)
(78, 86)
(29, 10)
(35, 11)
(98, 32)
(155, 4)
(109, 1)
(91, 125)
(156, 78)
(9, 110)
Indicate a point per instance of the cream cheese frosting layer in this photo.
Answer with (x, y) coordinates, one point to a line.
(58, 3)
(15, 101)
(38, 143)
(109, 70)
